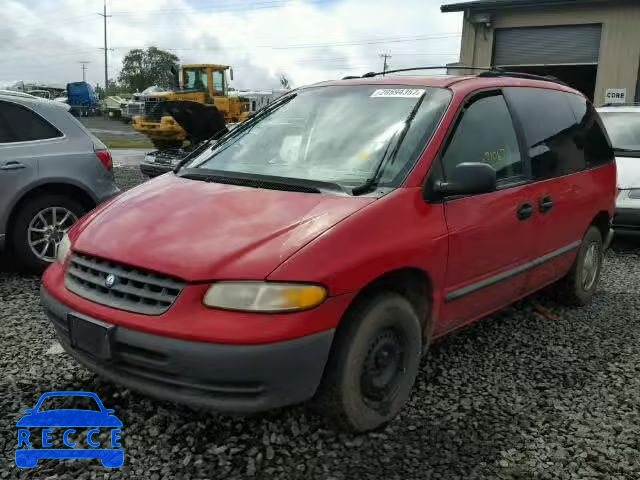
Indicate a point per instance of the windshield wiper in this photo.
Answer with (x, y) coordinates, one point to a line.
(242, 128)
(269, 182)
(370, 183)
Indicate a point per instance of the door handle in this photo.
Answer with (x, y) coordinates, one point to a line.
(13, 166)
(545, 204)
(525, 211)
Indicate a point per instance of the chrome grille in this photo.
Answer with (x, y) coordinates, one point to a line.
(132, 109)
(152, 108)
(133, 289)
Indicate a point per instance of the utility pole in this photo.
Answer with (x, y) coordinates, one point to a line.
(385, 57)
(106, 71)
(84, 70)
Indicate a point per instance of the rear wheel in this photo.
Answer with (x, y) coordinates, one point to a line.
(373, 363)
(39, 227)
(578, 287)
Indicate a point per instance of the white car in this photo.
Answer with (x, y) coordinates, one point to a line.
(623, 125)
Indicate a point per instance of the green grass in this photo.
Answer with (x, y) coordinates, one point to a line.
(127, 142)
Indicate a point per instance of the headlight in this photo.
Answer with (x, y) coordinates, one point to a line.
(264, 296)
(64, 247)
(634, 193)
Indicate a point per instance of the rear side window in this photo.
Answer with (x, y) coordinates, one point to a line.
(19, 124)
(591, 134)
(550, 130)
(485, 134)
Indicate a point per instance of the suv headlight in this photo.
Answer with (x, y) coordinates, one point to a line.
(264, 296)
(634, 193)
(64, 247)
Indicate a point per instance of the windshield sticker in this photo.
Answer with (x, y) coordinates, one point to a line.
(398, 93)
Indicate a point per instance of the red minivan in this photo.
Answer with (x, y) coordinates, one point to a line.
(317, 249)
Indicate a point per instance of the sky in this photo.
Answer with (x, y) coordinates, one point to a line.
(307, 40)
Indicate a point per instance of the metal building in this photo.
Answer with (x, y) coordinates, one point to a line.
(594, 45)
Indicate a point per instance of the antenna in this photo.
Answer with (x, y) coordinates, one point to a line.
(84, 69)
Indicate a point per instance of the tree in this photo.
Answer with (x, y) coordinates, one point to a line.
(114, 89)
(143, 68)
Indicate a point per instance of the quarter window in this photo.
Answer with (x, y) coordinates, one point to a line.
(550, 130)
(591, 135)
(19, 124)
(485, 134)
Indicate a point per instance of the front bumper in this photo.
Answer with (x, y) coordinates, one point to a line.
(626, 221)
(226, 378)
(165, 129)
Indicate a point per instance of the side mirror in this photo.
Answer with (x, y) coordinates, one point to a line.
(469, 178)
(230, 73)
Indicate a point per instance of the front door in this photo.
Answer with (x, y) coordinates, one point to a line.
(490, 235)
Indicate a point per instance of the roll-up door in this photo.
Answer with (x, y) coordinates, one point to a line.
(563, 45)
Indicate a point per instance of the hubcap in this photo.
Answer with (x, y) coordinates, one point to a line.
(383, 366)
(46, 230)
(590, 266)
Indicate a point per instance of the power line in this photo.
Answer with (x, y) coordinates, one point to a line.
(219, 8)
(351, 43)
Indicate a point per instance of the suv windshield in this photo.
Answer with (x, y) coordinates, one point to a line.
(623, 129)
(338, 134)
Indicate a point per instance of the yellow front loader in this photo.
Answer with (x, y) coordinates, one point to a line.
(201, 83)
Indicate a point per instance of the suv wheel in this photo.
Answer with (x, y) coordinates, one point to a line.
(578, 287)
(373, 363)
(39, 227)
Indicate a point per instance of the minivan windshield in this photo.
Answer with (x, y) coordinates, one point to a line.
(338, 134)
(623, 129)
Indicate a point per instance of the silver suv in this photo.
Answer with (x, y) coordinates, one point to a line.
(52, 171)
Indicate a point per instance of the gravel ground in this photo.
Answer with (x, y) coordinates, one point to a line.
(517, 396)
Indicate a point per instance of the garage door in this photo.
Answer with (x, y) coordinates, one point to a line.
(562, 45)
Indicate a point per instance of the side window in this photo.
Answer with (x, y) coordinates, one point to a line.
(591, 134)
(218, 83)
(550, 129)
(486, 134)
(19, 124)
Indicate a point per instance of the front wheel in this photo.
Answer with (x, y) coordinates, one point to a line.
(39, 227)
(373, 363)
(580, 284)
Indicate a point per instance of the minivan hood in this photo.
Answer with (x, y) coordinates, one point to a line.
(628, 172)
(199, 231)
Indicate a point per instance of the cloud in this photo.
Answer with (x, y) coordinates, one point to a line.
(309, 40)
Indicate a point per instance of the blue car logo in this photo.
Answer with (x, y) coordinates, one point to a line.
(48, 419)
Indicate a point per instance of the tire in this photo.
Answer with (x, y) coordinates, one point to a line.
(349, 394)
(28, 212)
(579, 285)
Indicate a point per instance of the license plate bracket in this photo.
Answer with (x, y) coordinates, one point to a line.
(91, 336)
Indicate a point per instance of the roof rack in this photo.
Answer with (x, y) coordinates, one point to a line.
(486, 72)
(413, 69)
(528, 76)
